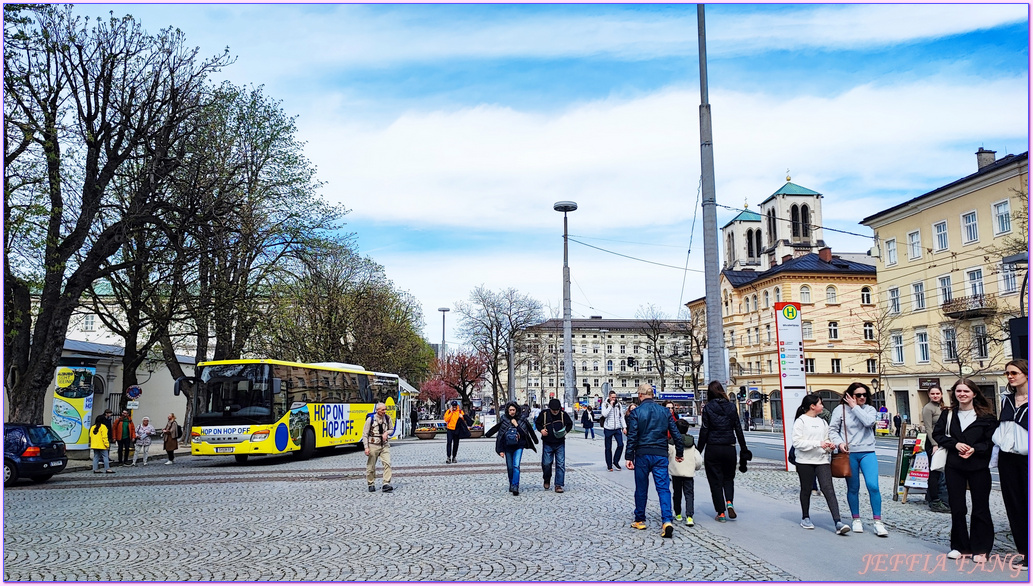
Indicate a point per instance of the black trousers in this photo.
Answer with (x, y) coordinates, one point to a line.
(1014, 472)
(123, 450)
(981, 538)
(684, 486)
(451, 443)
(719, 462)
(821, 474)
(611, 435)
(937, 482)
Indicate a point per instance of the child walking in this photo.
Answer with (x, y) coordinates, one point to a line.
(683, 473)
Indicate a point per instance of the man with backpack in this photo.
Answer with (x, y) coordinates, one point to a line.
(554, 424)
(375, 436)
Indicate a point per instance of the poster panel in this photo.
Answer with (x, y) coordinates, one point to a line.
(73, 405)
(792, 378)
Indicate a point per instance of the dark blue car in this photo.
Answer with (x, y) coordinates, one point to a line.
(32, 451)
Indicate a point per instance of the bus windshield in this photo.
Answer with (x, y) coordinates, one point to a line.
(234, 394)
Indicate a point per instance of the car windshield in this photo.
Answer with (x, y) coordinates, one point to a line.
(239, 391)
(43, 436)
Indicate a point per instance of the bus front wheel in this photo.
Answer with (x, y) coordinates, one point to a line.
(308, 444)
(240, 458)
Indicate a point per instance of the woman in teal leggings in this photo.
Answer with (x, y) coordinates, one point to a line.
(852, 428)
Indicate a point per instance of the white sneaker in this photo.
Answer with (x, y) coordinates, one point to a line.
(169, 463)
(858, 527)
(954, 554)
(880, 529)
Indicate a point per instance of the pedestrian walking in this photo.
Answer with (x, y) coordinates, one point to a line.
(966, 431)
(896, 423)
(456, 420)
(719, 431)
(936, 493)
(143, 434)
(100, 443)
(554, 424)
(683, 473)
(856, 418)
(813, 450)
(587, 423)
(414, 419)
(123, 431)
(170, 438)
(376, 435)
(613, 430)
(1013, 459)
(515, 435)
(648, 428)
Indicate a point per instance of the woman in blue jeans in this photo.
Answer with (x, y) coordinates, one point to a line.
(852, 429)
(505, 446)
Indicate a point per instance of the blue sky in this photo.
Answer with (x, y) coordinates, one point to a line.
(450, 130)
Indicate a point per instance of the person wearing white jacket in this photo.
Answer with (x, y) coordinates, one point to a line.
(858, 417)
(812, 446)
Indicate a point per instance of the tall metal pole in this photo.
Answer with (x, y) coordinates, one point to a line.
(715, 326)
(511, 371)
(441, 349)
(568, 350)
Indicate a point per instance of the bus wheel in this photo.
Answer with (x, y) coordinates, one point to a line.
(308, 444)
(240, 458)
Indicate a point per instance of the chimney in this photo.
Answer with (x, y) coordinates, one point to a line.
(985, 157)
(825, 254)
(787, 258)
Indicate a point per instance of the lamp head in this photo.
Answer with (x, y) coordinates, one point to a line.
(564, 206)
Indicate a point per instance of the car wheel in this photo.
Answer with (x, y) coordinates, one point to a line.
(42, 477)
(308, 444)
(10, 473)
(240, 458)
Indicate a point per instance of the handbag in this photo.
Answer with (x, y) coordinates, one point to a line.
(841, 460)
(939, 460)
(1009, 435)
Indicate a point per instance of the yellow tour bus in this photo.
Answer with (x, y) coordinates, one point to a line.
(257, 407)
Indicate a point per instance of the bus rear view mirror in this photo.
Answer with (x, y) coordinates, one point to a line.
(181, 382)
(276, 386)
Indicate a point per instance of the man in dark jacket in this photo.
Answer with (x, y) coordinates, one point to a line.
(648, 428)
(554, 424)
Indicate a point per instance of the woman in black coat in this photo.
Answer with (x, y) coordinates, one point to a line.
(514, 435)
(966, 431)
(587, 423)
(719, 431)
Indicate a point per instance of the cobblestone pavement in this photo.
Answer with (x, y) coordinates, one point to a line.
(283, 519)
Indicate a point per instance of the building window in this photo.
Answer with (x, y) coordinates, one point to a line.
(830, 294)
(837, 365)
(805, 294)
(897, 347)
(969, 227)
(595, 349)
(89, 323)
(940, 230)
(975, 281)
(914, 245)
(649, 366)
(950, 343)
(756, 307)
(767, 300)
(833, 330)
(869, 330)
(623, 366)
(749, 337)
(778, 295)
(894, 298)
(767, 329)
(980, 341)
(918, 295)
(746, 301)
(891, 252)
(584, 348)
(807, 330)
(609, 366)
(1002, 217)
(873, 366)
(808, 365)
(1009, 282)
(584, 366)
(866, 295)
(771, 367)
(945, 289)
(922, 346)
(595, 366)
(624, 349)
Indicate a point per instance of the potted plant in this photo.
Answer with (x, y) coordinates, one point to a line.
(477, 429)
(426, 433)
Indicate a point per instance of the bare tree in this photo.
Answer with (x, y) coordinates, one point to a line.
(657, 330)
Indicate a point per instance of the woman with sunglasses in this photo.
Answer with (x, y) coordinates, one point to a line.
(855, 419)
(966, 431)
(1014, 467)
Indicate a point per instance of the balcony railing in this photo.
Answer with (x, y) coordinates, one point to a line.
(970, 306)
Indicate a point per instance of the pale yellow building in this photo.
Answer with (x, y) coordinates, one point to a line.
(946, 295)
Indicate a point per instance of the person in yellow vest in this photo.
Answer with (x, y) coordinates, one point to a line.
(99, 443)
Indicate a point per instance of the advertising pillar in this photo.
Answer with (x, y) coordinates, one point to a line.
(73, 405)
(792, 378)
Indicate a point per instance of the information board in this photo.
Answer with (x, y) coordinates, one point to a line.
(792, 377)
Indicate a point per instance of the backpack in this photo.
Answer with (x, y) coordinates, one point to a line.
(511, 438)
(179, 431)
(557, 433)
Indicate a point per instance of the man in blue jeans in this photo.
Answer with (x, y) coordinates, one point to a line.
(554, 424)
(613, 428)
(648, 428)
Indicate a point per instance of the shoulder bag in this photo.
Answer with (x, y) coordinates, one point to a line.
(841, 460)
(939, 460)
(1009, 435)
(557, 433)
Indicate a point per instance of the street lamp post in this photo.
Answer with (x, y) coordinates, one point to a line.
(606, 371)
(441, 349)
(568, 362)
